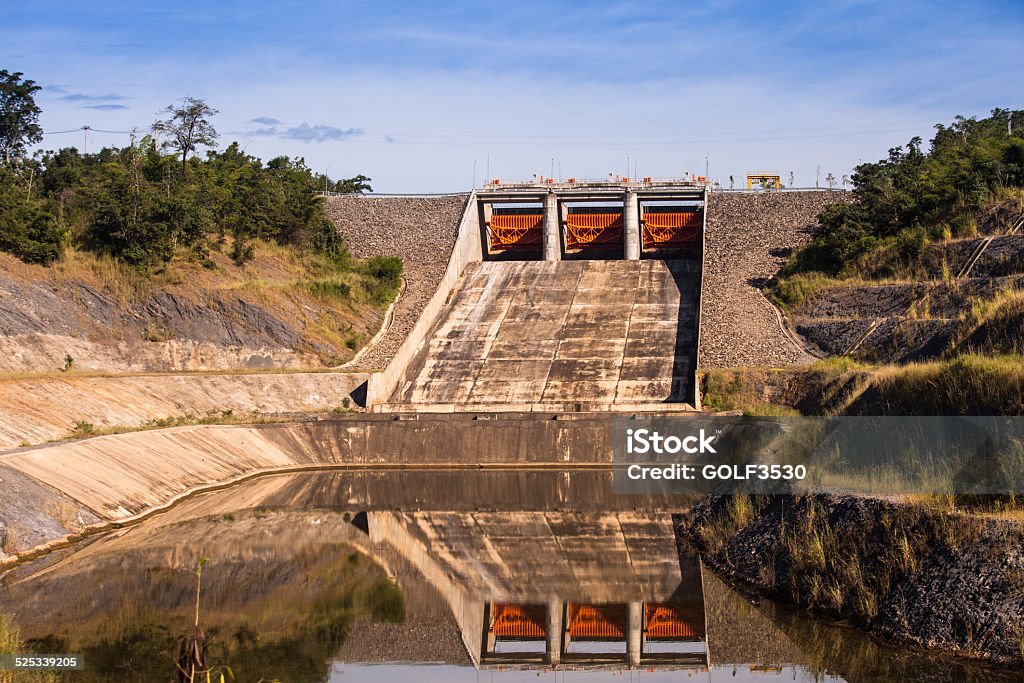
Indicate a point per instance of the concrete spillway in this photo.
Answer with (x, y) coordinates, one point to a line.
(555, 334)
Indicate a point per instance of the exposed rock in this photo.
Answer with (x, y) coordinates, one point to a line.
(958, 588)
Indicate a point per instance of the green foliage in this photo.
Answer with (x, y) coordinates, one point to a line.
(187, 127)
(357, 185)
(386, 272)
(19, 115)
(132, 204)
(912, 195)
(27, 228)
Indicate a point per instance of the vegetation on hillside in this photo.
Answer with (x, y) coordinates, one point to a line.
(916, 196)
(147, 203)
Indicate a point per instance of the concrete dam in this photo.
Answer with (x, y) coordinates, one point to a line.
(576, 296)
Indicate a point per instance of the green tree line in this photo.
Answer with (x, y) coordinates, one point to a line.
(914, 196)
(135, 203)
(145, 203)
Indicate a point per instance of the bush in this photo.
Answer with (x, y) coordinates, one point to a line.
(27, 229)
(386, 272)
(136, 205)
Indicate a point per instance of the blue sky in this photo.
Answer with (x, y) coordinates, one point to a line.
(412, 94)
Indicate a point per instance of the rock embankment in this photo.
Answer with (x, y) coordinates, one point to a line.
(749, 237)
(419, 230)
(913, 575)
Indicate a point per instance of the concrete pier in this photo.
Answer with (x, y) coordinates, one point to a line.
(552, 228)
(631, 226)
(553, 632)
(635, 635)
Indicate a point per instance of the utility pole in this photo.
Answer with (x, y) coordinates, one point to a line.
(817, 176)
(85, 140)
(1009, 124)
(707, 165)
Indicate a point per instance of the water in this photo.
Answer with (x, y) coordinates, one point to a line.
(430, 576)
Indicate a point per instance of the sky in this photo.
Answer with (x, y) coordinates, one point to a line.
(437, 97)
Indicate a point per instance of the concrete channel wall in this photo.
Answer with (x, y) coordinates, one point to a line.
(122, 476)
(40, 409)
(466, 250)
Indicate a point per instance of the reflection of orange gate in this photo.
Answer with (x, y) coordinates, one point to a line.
(584, 229)
(667, 229)
(598, 622)
(518, 621)
(515, 231)
(673, 622)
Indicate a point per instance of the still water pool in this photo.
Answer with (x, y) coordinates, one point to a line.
(429, 576)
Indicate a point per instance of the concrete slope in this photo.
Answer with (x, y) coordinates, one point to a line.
(40, 409)
(579, 333)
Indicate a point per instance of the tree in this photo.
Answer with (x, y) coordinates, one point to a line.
(188, 127)
(19, 115)
(357, 185)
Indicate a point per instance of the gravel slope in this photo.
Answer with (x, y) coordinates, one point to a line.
(749, 237)
(419, 230)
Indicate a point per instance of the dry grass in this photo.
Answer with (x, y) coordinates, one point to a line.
(741, 389)
(10, 643)
(10, 545)
(85, 430)
(740, 510)
(343, 298)
(852, 570)
(793, 290)
(65, 513)
(968, 384)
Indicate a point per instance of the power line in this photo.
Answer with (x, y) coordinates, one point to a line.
(89, 128)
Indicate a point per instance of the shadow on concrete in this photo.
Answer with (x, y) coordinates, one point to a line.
(687, 275)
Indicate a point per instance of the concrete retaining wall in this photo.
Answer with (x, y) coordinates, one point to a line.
(37, 410)
(467, 249)
(124, 475)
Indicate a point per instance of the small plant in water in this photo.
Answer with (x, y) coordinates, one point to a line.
(192, 664)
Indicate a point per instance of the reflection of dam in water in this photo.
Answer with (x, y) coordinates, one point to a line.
(618, 589)
(525, 575)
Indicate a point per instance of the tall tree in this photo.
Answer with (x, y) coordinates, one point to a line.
(188, 126)
(19, 115)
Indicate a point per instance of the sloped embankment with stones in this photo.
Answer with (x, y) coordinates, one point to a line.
(748, 239)
(419, 230)
(912, 575)
(916, 320)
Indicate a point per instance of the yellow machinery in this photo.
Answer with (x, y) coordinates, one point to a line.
(764, 180)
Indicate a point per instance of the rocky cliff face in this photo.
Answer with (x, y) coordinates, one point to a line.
(106, 319)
